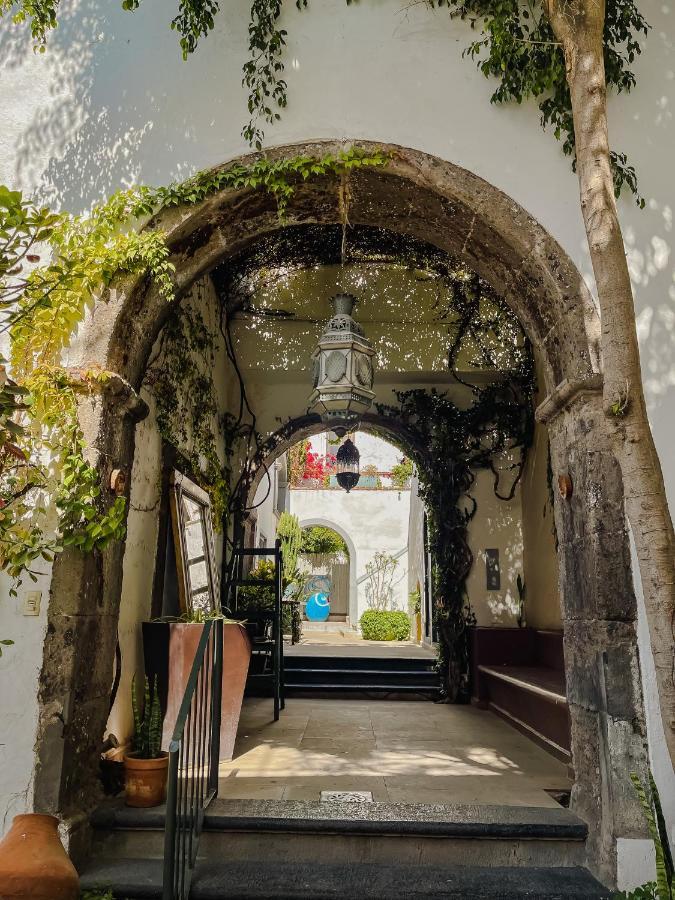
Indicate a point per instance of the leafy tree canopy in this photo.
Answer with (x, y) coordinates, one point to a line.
(319, 539)
(402, 473)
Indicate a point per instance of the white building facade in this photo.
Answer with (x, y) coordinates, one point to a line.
(111, 104)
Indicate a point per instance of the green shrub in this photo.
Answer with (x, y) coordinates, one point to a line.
(319, 539)
(258, 598)
(382, 625)
(645, 892)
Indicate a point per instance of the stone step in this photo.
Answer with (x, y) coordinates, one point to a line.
(274, 831)
(295, 661)
(134, 879)
(328, 674)
(312, 688)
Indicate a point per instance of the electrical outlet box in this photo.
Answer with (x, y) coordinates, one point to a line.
(31, 603)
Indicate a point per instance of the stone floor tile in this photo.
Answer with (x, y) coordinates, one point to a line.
(250, 788)
(310, 788)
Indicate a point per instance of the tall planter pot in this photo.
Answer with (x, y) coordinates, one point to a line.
(169, 649)
(33, 863)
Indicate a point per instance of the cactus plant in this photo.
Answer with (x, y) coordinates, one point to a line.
(148, 723)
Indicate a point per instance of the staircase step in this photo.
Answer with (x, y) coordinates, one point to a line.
(133, 879)
(367, 688)
(460, 820)
(335, 674)
(294, 661)
(375, 833)
(361, 676)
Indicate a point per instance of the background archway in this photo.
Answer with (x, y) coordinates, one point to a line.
(307, 522)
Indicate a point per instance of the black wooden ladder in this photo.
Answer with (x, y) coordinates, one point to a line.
(267, 652)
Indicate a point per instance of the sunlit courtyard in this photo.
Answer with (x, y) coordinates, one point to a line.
(395, 751)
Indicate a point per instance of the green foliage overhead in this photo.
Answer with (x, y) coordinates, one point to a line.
(50, 495)
(514, 44)
(43, 469)
(384, 625)
(40, 15)
(319, 539)
(401, 473)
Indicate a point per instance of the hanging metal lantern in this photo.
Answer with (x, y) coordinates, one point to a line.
(343, 369)
(347, 467)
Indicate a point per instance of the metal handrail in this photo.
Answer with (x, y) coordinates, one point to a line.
(239, 580)
(193, 762)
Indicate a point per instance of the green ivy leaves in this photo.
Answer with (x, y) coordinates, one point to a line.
(50, 495)
(518, 48)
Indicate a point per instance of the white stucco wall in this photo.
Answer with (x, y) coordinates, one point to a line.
(265, 507)
(19, 674)
(111, 103)
(496, 525)
(143, 528)
(370, 521)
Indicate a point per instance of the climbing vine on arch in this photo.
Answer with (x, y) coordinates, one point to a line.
(513, 44)
(448, 444)
(51, 494)
(485, 424)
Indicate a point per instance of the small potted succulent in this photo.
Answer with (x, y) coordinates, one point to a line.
(146, 767)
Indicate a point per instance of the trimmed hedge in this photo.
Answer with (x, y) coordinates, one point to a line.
(381, 625)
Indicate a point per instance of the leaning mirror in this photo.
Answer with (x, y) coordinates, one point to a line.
(198, 583)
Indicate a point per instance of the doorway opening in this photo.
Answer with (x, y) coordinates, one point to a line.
(443, 531)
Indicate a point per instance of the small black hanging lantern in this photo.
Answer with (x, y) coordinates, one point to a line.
(347, 466)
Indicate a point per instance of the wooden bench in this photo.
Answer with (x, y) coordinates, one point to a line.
(519, 674)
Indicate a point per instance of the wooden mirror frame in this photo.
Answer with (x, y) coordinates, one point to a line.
(182, 487)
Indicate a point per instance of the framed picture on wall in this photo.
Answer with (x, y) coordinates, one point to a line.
(198, 582)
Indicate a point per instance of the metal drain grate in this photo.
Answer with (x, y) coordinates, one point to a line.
(347, 796)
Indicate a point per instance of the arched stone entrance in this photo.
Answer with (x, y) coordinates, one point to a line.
(451, 208)
(346, 537)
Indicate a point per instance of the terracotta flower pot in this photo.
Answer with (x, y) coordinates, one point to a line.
(145, 780)
(33, 863)
(170, 648)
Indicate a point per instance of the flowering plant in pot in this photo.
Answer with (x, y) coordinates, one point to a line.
(146, 767)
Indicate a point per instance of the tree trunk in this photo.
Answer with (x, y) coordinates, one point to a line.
(579, 25)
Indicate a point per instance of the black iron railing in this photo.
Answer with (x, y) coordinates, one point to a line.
(266, 624)
(193, 763)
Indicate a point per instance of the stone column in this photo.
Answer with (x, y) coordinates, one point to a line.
(79, 649)
(599, 615)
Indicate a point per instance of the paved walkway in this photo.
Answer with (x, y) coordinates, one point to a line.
(343, 641)
(401, 751)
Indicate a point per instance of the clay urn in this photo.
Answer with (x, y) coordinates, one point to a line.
(33, 863)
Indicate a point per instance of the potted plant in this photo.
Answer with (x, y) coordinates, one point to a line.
(169, 648)
(146, 767)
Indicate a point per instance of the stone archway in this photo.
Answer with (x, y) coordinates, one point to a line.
(458, 212)
(307, 522)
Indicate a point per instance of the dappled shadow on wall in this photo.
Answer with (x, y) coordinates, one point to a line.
(108, 80)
